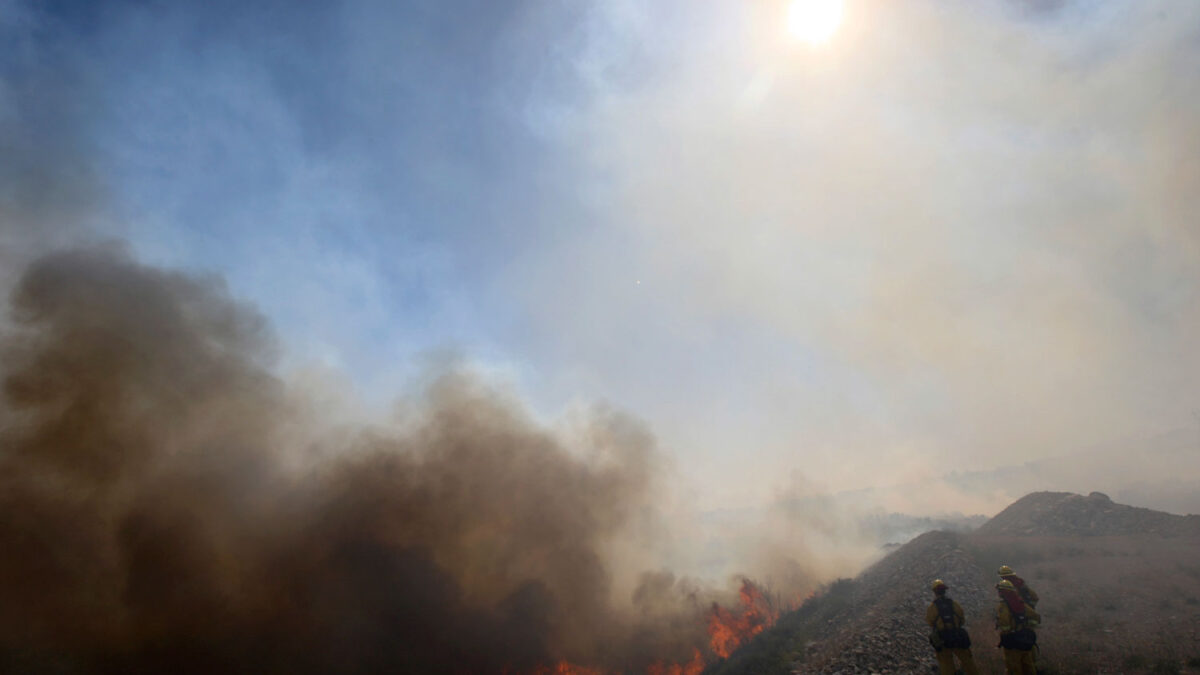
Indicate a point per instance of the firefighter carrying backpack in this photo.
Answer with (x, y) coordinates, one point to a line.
(1022, 637)
(951, 635)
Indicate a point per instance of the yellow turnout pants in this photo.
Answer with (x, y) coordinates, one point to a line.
(945, 659)
(1017, 662)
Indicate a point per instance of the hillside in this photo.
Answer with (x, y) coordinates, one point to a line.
(1065, 514)
(1120, 591)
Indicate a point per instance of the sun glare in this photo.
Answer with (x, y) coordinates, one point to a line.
(814, 21)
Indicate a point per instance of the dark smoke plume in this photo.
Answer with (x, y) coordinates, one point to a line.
(162, 507)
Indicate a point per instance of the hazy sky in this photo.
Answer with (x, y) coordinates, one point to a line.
(955, 237)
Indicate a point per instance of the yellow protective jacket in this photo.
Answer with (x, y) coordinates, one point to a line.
(935, 621)
(1005, 622)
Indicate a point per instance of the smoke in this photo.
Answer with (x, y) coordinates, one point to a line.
(893, 262)
(879, 265)
(167, 504)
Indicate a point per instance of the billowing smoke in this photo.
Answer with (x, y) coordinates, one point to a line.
(166, 505)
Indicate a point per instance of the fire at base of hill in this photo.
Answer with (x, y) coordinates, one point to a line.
(728, 628)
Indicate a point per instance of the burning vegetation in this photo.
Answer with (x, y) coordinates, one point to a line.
(168, 505)
(728, 628)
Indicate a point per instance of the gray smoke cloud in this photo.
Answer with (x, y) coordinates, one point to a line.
(164, 508)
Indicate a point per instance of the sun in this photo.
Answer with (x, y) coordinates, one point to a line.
(814, 21)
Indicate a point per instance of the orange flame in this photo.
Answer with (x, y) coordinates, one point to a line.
(729, 628)
(801, 599)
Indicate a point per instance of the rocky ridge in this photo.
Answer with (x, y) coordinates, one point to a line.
(883, 629)
(1118, 585)
(1066, 514)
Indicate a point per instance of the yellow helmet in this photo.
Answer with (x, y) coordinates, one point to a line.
(1006, 585)
(937, 583)
(1005, 571)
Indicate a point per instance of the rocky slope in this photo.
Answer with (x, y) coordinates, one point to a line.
(884, 631)
(1120, 591)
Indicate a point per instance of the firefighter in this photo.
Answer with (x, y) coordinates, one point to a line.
(1027, 594)
(1016, 621)
(949, 637)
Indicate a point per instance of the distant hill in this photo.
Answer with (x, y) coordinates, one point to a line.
(1161, 472)
(1065, 514)
(1120, 591)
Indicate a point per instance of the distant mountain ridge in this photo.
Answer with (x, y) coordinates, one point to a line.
(1062, 514)
(1161, 472)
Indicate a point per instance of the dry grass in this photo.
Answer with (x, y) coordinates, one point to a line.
(1109, 604)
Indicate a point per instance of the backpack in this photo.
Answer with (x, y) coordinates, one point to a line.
(1022, 637)
(1026, 596)
(952, 635)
